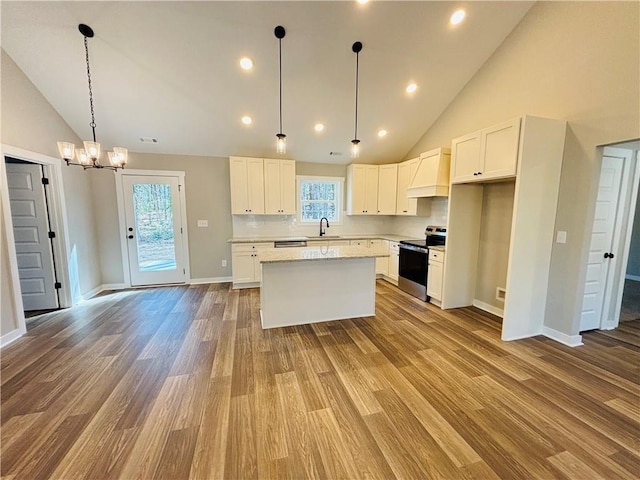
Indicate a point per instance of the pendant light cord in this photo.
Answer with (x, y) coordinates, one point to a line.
(280, 60)
(357, 70)
(93, 118)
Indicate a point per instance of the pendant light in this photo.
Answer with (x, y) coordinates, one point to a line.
(89, 156)
(355, 143)
(281, 138)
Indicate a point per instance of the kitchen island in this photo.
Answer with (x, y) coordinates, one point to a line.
(316, 284)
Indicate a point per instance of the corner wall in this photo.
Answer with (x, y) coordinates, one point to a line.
(31, 123)
(578, 61)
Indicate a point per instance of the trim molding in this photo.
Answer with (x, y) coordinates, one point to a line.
(12, 336)
(488, 308)
(101, 288)
(633, 277)
(198, 281)
(569, 340)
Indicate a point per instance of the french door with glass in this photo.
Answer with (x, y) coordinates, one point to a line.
(154, 230)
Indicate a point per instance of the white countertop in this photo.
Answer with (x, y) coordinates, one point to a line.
(384, 236)
(301, 254)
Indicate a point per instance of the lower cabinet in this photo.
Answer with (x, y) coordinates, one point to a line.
(436, 272)
(382, 263)
(245, 264)
(394, 261)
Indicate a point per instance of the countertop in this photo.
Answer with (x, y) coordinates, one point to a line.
(329, 237)
(299, 254)
(438, 248)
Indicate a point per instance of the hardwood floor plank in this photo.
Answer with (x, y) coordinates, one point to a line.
(182, 382)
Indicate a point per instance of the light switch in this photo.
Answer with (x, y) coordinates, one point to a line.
(561, 237)
(203, 223)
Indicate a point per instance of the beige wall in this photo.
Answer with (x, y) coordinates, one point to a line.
(207, 196)
(495, 233)
(30, 122)
(577, 61)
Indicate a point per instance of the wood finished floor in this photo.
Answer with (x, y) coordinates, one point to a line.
(182, 382)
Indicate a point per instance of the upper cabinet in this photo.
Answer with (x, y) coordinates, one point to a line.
(362, 189)
(262, 186)
(488, 154)
(279, 187)
(404, 204)
(247, 185)
(387, 189)
(431, 178)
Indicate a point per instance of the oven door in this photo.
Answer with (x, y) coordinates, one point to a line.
(412, 270)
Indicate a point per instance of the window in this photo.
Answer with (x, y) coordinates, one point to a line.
(320, 197)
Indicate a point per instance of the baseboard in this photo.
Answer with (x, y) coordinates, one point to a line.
(569, 340)
(632, 277)
(197, 281)
(11, 337)
(102, 288)
(489, 308)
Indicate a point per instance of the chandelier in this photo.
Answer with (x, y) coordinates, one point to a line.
(89, 156)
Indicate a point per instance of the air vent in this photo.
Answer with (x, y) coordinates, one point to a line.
(337, 154)
(148, 140)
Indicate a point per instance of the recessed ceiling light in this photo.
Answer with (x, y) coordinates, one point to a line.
(457, 16)
(412, 87)
(246, 63)
(362, 2)
(318, 127)
(247, 120)
(382, 133)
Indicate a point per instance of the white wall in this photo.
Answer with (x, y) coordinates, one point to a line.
(577, 61)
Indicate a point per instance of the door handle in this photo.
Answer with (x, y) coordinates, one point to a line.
(129, 236)
(608, 255)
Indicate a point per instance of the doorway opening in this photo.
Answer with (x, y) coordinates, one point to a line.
(612, 291)
(152, 214)
(33, 234)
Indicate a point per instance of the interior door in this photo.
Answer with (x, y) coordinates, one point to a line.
(601, 240)
(154, 229)
(31, 231)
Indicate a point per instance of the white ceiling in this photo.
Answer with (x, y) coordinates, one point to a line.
(170, 70)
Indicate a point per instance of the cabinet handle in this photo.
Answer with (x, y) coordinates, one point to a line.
(404, 211)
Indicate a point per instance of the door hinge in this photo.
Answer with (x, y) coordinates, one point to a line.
(57, 285)
(179, 187)
(45, 181)
(184, 271)
(52, 234)
(181, 230)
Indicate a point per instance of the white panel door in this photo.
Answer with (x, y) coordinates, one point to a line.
(31, 232)
(601, 240)
(154, 229)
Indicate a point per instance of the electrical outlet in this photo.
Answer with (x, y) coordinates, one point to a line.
(224, 263)
(561, 237)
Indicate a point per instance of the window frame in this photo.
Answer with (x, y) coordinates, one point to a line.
(339, 197)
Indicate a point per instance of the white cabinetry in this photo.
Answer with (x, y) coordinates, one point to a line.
(247, 185)
(279, 186)
(362, 189)
(539, 162)
(245, 264)
(387, 189)
(435, 275)
(359, 243)
(394, 261)
(405, 205)
(488, 154)
(382, 263)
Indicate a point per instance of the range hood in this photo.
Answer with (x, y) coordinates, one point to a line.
(431, 178)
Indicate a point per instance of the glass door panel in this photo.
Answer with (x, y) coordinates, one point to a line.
(154, 229)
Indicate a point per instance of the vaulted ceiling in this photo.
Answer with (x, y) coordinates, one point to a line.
(171, 70)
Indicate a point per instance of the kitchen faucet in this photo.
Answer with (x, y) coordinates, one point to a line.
(321, 230)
